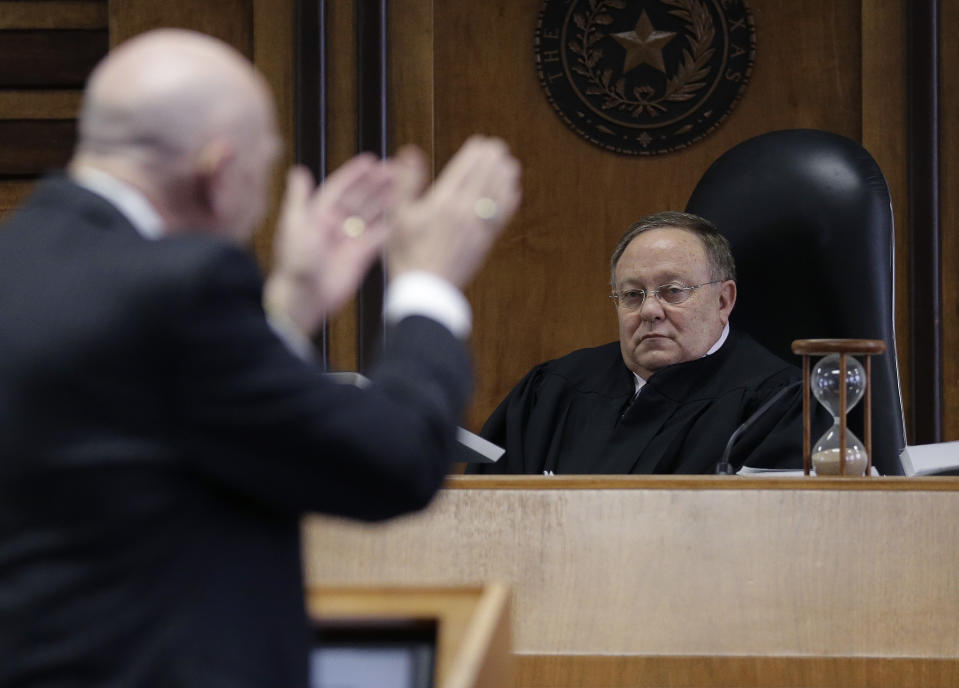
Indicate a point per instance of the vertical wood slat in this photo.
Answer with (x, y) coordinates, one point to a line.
(925, 306)
(310, 82)
(411, 72)
(949, 212)
(884, 135)
(371, 117)
(341, 85)
(273, 55)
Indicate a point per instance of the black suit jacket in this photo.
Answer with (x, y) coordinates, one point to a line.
(158, 444)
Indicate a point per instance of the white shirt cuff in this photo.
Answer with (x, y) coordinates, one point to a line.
(423, 293)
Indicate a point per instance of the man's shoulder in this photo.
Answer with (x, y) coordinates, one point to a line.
(593, 369)
(741, 363)
(76, 247)
(590, 355)
(747, 352)
(204, 254)
(747, 363)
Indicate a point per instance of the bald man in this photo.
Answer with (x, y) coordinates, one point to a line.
(160, 435)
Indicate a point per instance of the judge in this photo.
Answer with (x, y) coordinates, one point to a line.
(669, 395)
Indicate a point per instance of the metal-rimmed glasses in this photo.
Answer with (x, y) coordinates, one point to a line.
(672, 293)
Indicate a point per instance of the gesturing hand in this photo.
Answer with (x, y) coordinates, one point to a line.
(329, 235)
(449, 229)
(327, 238)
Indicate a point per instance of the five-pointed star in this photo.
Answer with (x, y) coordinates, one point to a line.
(644, 45)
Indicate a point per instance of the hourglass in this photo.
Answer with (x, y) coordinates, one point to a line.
(838, 382)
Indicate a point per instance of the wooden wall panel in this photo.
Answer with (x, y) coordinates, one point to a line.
(229, 20)
(12, 194)
(31, 147)
(45, 58)
(949, 211)
(39, 104)
(411, 92)
(71, 35)
(543, 292)
(47, 48)
(53, 14)
(884, 135)
(273, 56)
(341, 135)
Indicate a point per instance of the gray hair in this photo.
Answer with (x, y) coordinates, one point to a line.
(720, 256)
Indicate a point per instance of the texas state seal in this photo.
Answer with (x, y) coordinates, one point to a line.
(644, 77)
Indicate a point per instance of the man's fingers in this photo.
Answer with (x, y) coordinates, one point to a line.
(469, 161)
(484, 172)
(359, 188)
(368, 196)
(299, 184)
(505, 189)
(410, 169)
(351, 172)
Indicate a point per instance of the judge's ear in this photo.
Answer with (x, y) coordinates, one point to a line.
(727, 299)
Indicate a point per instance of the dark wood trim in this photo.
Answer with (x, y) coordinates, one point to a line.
(559, 670)
(371, 136)
(50, 58)
(925, 299)
(309, 31)
(32, 147)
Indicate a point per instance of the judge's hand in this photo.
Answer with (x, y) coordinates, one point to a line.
(327, 238)
(448, 229)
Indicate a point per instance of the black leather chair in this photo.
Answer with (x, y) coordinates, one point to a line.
(809, 217)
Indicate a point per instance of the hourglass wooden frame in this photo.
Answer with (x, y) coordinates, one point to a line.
(844, 347)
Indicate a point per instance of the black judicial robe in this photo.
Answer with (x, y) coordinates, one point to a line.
(573, 414)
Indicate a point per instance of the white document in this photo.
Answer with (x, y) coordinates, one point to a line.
(930, 459)
(751, 472)
(470, 447)
(474, 449)
(770, 472)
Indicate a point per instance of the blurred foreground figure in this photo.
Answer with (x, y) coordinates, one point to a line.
(159, 437)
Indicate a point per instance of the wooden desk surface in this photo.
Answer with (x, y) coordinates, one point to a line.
(698, 482)
(684, 566)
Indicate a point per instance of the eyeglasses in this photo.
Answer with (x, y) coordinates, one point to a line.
(672, 294)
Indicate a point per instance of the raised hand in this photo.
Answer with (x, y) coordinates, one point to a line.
(327, 238)
(449, 229)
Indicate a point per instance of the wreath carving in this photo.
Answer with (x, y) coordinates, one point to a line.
(689, 79)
